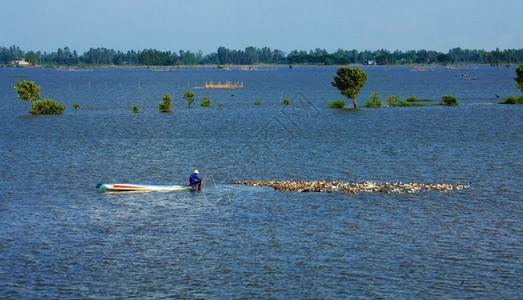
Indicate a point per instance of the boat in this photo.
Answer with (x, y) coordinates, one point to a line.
(163, 69)
(75, 69)
(226, 85)
(139, 187)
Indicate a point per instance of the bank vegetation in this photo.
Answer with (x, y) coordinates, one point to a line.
(13, 55)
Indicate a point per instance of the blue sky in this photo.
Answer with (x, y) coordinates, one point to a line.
(284, 24)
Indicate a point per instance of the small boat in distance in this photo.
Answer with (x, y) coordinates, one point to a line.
(466, 77)
(71, 69)
(138, 187)
(226, 85)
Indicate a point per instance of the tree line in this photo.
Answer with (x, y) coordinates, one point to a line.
(254, 55)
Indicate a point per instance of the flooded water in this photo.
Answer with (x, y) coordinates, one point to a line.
(61, 238)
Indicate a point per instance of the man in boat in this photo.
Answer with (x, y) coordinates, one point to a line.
(195, 180)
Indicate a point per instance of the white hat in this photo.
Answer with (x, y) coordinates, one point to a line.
(196, 171)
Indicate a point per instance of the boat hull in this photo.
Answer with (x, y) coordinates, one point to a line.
(138, 187)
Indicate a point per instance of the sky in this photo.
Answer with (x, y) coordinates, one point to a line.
(205, 25)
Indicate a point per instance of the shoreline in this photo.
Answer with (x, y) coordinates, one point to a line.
(244, 67)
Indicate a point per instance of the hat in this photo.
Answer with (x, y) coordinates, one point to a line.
(196, 172)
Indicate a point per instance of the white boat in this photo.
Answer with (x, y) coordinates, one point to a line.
(139, 187)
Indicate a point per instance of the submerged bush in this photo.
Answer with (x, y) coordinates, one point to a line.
(167, 103)
(206, 102)
(77, 106)
(47, 107)
(258, 102)
(286, 101)
(336, 104)
(392, 100)
(189, 97)
(374, 102)
(135, 109)
(406, 103)
(513, 100)
(449, 100)
(412, 99)
(29, 91)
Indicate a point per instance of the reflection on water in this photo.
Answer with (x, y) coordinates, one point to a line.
(61, 238)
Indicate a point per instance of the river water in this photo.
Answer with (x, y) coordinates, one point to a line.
(61, 238)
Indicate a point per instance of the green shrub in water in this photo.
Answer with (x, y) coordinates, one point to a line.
(392, 100)
(206, 102)
(29, 91)
(47, 107)
(449, 100)
(189, 97)
(167, 103)
(336, 104)
(406, 103)
(374, 102)
(513, 100)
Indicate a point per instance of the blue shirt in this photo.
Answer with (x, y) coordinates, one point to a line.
(194, 179)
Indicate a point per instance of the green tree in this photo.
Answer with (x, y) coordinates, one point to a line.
(392, 100)
(30, 57)
(350, 81)
(206, 102)
(449, 100)
(47, 107)
(519, 77)
(28, 91)
(375, 101)
(167, 103)
(189, 97)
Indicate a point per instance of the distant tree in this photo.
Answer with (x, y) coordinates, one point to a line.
(443, 58)
(519, 77)
(189, 97)
(250, 56)
(30, 57)
(350, 81)
(223, 56)
(153, 57)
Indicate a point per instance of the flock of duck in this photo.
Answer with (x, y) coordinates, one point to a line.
(353, 187)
